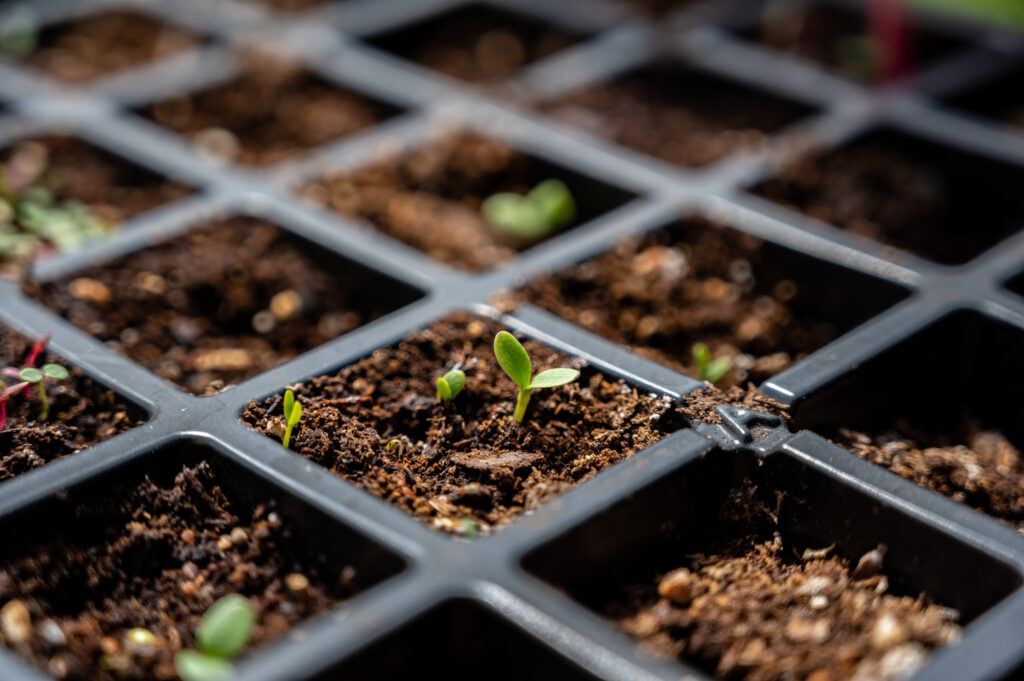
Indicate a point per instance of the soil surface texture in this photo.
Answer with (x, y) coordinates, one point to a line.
(677, 115)
(100, 44)
(272, 110)
(222, 303)
(838, 38)
(752, 609)
(977, 467)
(154, 556)
(82, 413)
(477, 44)
(465, 466)
(693, 282)
(430, 197)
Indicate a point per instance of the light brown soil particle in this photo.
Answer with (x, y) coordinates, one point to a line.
(150, 556)
(465, 459)
(195, 310)
(100, 44)
(82, 413)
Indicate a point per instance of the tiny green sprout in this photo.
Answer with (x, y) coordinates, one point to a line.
(49, 372)
(514, 359)
(450, 385)
(292, 414)
(392, 445)
(710, 370)
(469, 528)
(223, 634)
(141, 637)
(546, 209)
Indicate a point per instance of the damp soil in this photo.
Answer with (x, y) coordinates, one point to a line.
(220, 304)
(100, 44)
(478, 44)
(693, 282)
(838, 38)
(82, 413)
(113, 188)
(752, 607)
(934, 201)
(975, 466)
(272, 110)
(678, 115)
(430, 197)
(465, 466)
(156, 556)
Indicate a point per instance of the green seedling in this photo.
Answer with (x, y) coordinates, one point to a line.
(396, 443)
(708, 369)
(450, 385)
(514, 359)
(50, 372)
(469, 530)
(33, 376)
(292, 414)
(546, 209)
(223, 634)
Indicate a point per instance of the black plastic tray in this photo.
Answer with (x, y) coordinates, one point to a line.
(512, 604)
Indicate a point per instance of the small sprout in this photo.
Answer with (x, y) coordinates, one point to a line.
(469, 530)
(710, 370)
(51, 372)
(514, 359)
(546, 209)
(292, 414)
(222, 635)
(32, 376)
(141, 637)
(396, 444)
(450, 385)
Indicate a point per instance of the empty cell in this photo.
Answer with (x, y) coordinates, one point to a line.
(1001, 100)
(431, 197)
(100, 44)
(75, 412)
(226, 301)
(677, 114)
(933, 200)
(476, 43)
(153, 544)
(461, 637)
(465, 466)
(764, 569)
(937, 409)
(754, 302)
(842, 39)
(271, 110)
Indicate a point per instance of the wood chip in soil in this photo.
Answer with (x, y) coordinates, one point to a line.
(755, 609)
(154, 556)
(272, 110)
(466, 459)
(222, 303)
(694, 282)
(678, 115)
(975, 466)
(82, 413)
(104, 43)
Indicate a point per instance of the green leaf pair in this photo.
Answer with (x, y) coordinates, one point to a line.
(547, 208)
(292, 414)
(450, 385)
(222, 635)
(514, 359)
(54, 372)
(708, 369)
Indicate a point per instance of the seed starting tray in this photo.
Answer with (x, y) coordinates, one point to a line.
(501, 606)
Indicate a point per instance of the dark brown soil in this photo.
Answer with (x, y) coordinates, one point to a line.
(290, 5)
(153, 556)
(476, 43)
(466, 461)
(700, 405)
(273, 110)
(931, 200)
(113, 188)
(100, 44)
(752, 609)
(430, 197)
(681, 116)
(694, 282)
(836, 37)
(1000, 100)
(82, 413)
(977, 467)
(221, 303)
